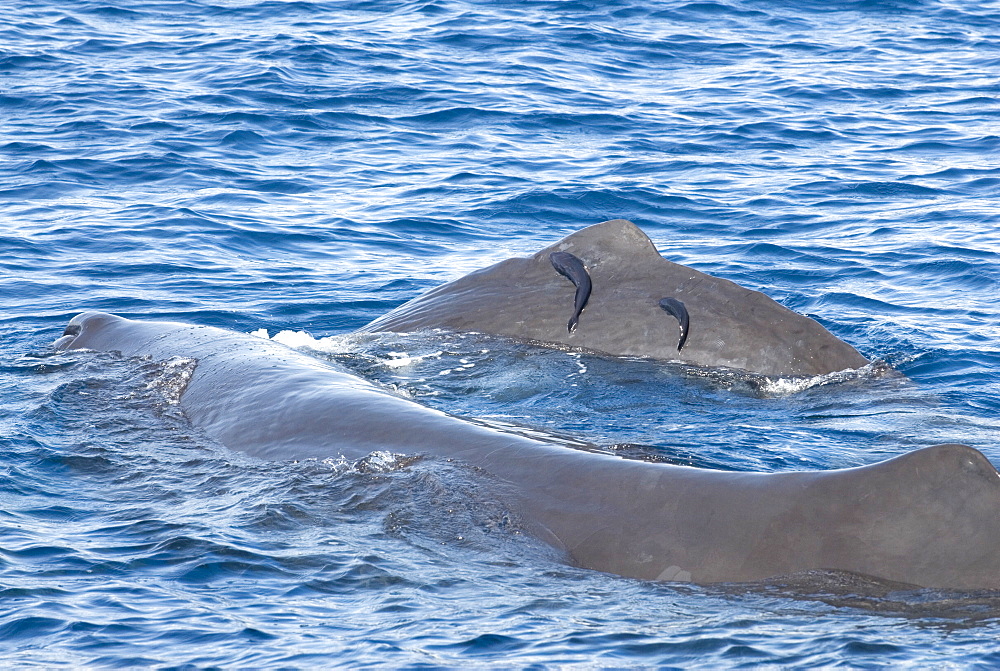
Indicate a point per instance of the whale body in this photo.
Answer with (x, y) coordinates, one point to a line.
(624, 314)
(929, 518)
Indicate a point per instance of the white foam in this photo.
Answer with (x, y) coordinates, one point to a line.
(299, 340)
(303, 340)
(402, 359)
(791, 385)
(380, 461)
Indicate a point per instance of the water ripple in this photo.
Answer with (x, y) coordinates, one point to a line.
(311, 165)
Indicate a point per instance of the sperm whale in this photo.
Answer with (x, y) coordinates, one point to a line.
(929, 518)
(624, 293)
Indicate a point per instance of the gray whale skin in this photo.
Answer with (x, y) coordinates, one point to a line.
(929, 518)
(527, 298)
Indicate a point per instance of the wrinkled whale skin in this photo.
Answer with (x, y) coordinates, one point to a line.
(930, 518)
(525, 298)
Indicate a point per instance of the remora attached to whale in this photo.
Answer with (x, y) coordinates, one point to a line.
(625, 314)
(929, 518)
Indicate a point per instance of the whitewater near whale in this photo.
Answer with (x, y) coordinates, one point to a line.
(606, 288)
(929, 518)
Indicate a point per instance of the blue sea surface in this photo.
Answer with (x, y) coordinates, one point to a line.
(306, 166)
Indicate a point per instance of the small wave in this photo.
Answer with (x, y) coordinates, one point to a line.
(172, 377)
(783, 386)
(339, 344)
(348, 344)
(379, 461)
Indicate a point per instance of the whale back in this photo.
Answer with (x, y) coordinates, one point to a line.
(526, 298)
(930, 518)
(267, 400)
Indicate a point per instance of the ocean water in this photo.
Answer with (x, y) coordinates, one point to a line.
(303, 167)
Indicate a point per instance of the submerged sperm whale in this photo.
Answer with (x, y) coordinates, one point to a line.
(930, 518)
(625, 296)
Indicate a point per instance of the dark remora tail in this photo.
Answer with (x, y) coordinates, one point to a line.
(573, 269)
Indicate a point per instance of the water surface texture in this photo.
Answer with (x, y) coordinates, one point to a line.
(307, 166)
